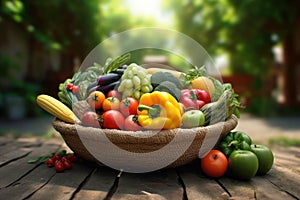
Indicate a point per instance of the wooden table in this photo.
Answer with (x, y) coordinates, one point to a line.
(21, 180)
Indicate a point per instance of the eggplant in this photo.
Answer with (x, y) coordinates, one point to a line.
(92, 85)
(106, 88)
(108, 79)
(118, 71)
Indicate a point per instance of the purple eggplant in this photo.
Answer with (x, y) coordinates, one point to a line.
(106, 88)
(108, 79)
(92, 85)
(118, 71)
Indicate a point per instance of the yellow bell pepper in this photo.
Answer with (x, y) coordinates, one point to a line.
(159, 110)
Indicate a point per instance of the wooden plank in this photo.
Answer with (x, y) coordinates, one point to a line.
(13, 155)
(98, 185)
(199, 186)
(65, 185)
(4, 140)
(18, 168)
(288, 158)
(285, 174)
(160, 184)
(285, 180)
(280, 182)
(18, 145)
(266, 190)
(239, 189)
(28, 185)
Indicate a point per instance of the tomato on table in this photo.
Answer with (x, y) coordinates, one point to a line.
(95, 99)
(66, 162)
(59, 166)
(214, 164)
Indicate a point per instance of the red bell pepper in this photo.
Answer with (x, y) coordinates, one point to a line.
(194, 98)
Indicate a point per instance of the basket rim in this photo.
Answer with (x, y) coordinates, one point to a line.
(232, 120)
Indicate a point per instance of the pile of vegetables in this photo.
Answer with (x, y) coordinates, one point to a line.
(126, 96)
(153, 98)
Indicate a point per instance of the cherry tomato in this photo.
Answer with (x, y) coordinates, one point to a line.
(73, 158)
(59, 166)
(128, 106)
(112, 119)
(214, 164)
(95, 99)
(75, 89)
(111, 103)
(90, 118)
(114, 93)
(57, 156)
(131, 123)
(50, 162)
(66, 162)
(69, 86)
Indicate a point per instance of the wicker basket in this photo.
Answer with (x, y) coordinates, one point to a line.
(145, 141)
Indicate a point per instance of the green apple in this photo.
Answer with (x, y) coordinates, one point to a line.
(192, 118)
(242, 164)
(265, 158)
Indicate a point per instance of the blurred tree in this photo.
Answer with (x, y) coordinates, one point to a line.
(56, 25)
(73, 28)
(246, 30)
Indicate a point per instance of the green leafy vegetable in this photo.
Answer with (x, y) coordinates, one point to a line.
(44, 158)
(83, 79)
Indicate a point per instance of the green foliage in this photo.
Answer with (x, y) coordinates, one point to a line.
(58, 24)
(263, 106)
(12, 8)
(243, 28)
(284, 141)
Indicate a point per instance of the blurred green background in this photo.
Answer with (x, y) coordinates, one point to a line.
(255, 44)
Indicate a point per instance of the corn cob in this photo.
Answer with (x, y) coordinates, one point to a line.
(56, 108)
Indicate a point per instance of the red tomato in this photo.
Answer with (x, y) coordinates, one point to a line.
(111, 103)
(59, 166)
(50, 162)
(57, 156)
(75, 89)
(69, 86)
(90, 118)
(131, 123)
(73, 158)
(128, 106)
(112, 119)
(114, 93)
(66, 162)
(214, 164)
(95, 99)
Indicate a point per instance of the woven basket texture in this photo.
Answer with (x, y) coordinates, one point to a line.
(145, 141)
